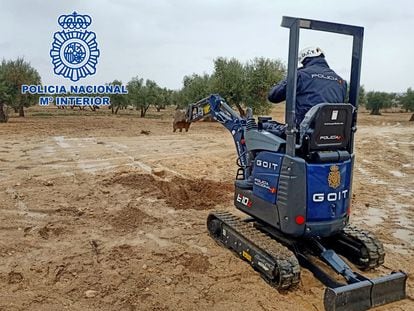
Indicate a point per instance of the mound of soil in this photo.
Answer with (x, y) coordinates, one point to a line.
(199, 194)
(131, 179)
(130, 217)
(145, 183)
(179, 192)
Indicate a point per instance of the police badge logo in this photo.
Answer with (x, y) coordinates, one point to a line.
(74, 50)
(334, 177)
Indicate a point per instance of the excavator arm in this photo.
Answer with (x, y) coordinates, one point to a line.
(216, 107)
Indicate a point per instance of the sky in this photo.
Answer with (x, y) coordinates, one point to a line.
(164, 40)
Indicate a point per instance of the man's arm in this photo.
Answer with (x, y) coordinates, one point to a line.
(278, 92)
(344, 90)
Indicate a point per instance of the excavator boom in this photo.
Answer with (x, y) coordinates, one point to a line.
(216, 107)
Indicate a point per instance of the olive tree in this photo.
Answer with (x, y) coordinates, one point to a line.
(261, 74)
(407, 101)
(376, 101)
(15, 73)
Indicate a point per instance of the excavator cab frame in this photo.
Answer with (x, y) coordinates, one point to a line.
(295, 24)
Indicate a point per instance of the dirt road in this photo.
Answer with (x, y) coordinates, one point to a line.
(98, 215)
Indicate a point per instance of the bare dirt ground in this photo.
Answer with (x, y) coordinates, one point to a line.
(98, 215)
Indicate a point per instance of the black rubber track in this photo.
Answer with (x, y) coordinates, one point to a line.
(361, 247)
(287, 271)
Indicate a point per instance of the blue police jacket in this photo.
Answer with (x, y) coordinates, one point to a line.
(316, 83)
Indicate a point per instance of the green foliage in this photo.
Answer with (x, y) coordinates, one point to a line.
(151, 92)
(141, 95)
(229, 80)
(177, 99)
(136, 94)
(195, 87)
(4, 100)
(261, 74)
(239, 84)
(117, 100)
(362, 97)
(164, 98)
(377, 101)
(6, 92)
(407, 100)
(13, 74)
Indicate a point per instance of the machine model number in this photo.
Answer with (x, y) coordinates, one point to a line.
(244, 200)
(267, 164)
(331, 197)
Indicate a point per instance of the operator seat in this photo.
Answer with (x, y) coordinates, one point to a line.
(324, 136)
(325, 132)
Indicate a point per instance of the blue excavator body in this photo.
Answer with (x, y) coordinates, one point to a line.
(297, 189)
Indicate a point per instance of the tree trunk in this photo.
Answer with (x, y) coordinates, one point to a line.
(375, 112)
(21, 111)
(15, 110)
(412, 117)
(3, 113)
(241, 110)
(144, 110)
(117, 108)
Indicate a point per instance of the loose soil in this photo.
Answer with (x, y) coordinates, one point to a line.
(103, 212)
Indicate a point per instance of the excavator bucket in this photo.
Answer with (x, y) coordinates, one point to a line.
(366, 294)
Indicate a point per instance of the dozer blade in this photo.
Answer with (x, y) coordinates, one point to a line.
(388, 288)
(356, 297)
(366, 294)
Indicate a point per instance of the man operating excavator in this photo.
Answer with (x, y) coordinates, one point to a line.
(297, 191)
(316, 83)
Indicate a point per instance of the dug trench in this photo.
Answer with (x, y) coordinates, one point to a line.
(178, 192)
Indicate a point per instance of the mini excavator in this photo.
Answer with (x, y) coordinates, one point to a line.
(296, 190)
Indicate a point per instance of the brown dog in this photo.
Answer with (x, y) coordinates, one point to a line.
(180, 121)
(180, 125)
